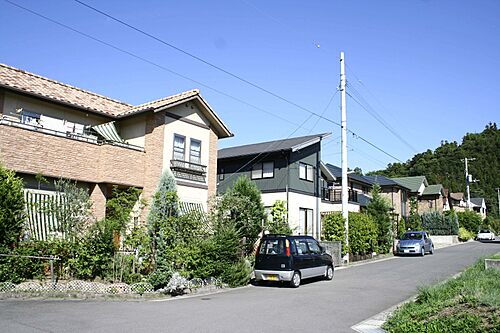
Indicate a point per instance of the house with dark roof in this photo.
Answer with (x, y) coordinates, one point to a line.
(56, 130)
(479, 206)
(290, 170)
(395, 193)
(457, 201)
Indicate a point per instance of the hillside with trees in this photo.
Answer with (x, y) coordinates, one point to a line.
(444, 165)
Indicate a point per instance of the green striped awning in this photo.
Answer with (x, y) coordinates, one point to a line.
(108, 131)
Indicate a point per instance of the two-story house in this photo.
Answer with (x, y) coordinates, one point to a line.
(430, 198)
(56, 130)
(289, 170)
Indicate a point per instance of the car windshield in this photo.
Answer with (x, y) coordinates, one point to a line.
(272, 247)
(411, 235)
(485, 231)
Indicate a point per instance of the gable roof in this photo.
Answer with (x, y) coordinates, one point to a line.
(383, 181)
(337, 172)
(413, 183)
(271, 146)
(457, 196)
(435, 189)
(477, 201)
(38, 86)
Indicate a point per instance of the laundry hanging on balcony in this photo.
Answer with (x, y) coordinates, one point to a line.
(108, 132)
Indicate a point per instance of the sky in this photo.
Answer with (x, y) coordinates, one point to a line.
(427, 69)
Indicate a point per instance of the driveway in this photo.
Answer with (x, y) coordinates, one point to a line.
(355, 294)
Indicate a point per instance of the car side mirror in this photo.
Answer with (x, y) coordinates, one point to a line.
(322, 250)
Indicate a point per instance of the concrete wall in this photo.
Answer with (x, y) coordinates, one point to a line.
(443, 241)
(133, 130)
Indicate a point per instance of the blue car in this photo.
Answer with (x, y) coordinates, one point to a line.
(415, 242)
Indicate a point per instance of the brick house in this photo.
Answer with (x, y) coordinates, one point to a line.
(430, 198)
(57, 130)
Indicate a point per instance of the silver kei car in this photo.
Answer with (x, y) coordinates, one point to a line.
(415, 242)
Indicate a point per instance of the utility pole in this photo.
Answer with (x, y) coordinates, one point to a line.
(498, 199)
(345, 194)
(468, 180)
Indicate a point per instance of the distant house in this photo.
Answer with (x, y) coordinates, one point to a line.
(479, 206)
(430, 198)
(457, 201)
(396, 193)
(358, 189)
(290, 170)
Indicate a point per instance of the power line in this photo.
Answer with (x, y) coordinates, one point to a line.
(151, 62)
(223, 70)
(324, 110)
(189, 54)
(375, 115)
(193, 80)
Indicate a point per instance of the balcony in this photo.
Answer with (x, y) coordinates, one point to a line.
(188, 170)
(335, 195)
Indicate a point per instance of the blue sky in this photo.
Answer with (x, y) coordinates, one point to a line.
(429, 68)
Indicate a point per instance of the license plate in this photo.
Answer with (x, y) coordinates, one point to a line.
(406, 251)
(272, 278)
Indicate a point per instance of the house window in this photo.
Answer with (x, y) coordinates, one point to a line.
(263, 170)
(305, 221)
(195, 152)
(30, 118)
(179, 147)
(306, 172)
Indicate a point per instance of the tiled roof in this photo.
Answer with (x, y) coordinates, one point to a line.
(413, 183)
(435, 189)
(457, 196)
(37, 85)
(477, 201)
(382, 180)
(337, 172)
(161, 102)
(266, 147)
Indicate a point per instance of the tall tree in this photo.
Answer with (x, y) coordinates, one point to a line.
(379, 209)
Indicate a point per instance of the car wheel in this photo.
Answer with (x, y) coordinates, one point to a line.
(329, 273)
(295, 282)
(422, 251)
(431, 251)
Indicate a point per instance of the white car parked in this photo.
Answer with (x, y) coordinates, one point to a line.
(485, 235)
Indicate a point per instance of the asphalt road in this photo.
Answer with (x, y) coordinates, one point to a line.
(355, 294)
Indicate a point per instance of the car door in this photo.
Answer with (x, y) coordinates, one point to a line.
(303, 261)
(427, 242)
(317, 265)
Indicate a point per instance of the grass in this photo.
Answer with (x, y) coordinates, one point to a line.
(469, 303)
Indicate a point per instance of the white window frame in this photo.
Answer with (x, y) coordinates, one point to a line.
(183, 149)
(191, 151)
(308, 170)
(258, 171)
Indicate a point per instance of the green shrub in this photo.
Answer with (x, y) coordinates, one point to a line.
(277, 222)
(18, 269)
(159, 278)
(492, 223)
(334, 229)
(12, 214)
(470, 220)
(242, 207)
(362, 233)
(120, 205)
(379, 209)
(414, 221)
(440, 224)
(464, 234)
(237, 274)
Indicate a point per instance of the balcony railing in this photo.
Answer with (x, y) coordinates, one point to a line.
(86, 137)
(188, 170)
(335, 195)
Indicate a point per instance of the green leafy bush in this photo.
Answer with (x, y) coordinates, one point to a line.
(440, 224)
(414, 221)
(120, 205)
(277, 222)
(363, 233)
(334, 229)
(379, 209)
(242, 207)
(12, 214)
(470, 220)
(464, 234)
